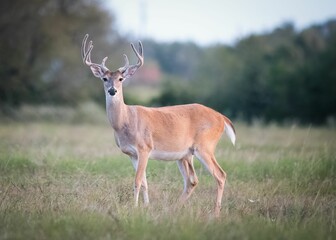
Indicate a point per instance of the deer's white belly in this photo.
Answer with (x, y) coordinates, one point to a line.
(168, 156)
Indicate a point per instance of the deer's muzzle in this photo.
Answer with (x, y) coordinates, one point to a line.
(112, 91)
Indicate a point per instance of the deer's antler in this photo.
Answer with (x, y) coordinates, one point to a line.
(140, 59)
(86, 55)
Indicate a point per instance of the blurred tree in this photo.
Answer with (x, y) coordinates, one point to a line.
(276, 76)
(181, 59)
(40, 49)
(315, 79)
(283, 74)
(175, 91)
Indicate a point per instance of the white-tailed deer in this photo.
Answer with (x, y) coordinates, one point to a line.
(165, 133)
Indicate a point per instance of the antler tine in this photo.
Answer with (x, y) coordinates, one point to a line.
(83, 46)
(87, 56)
(123, 69)
(140, 49)
(138, 54)
(126, 60)
(103, 62)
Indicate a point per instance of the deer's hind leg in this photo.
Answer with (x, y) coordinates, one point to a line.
(209, 161)
(190, 179)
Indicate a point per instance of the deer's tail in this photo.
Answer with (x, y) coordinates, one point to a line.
(230, 130)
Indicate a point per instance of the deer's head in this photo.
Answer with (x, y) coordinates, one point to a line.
(112, 79)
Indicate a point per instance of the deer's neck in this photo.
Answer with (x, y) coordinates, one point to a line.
(117, 110)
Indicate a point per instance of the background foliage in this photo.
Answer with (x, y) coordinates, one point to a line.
(284, 74)
(281, 75)
(41, 58)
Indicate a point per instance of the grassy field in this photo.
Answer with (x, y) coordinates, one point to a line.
(65, 181)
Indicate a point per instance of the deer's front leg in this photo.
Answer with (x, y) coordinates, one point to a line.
(140, 174)
(144, 184)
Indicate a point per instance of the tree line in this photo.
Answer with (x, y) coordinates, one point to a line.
(277, 76)
(40, 50)
(280, 75)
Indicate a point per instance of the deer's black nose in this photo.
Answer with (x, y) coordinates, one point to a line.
(112, 91)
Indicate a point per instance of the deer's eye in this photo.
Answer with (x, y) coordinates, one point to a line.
(105, 79)
(120, 79)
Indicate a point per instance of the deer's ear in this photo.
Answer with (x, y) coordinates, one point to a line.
(97, 71)
(129, 72)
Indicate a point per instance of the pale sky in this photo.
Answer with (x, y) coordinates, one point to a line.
(214, 21)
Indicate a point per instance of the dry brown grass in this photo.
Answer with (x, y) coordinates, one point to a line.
(70, 181)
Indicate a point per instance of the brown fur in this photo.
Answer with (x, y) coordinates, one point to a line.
(167, 133)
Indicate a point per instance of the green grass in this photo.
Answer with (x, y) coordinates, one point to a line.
(66, 181)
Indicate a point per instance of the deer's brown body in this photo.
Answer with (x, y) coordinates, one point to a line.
(166, 133)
